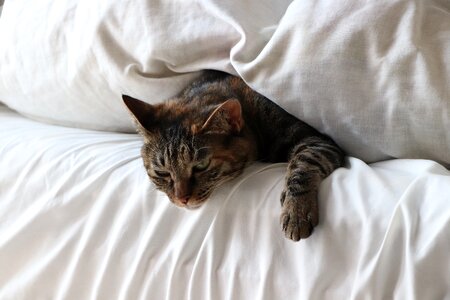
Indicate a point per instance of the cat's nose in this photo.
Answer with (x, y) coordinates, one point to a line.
(184, 199)
(183, 191)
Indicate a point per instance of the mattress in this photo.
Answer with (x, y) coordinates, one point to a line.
(79, 219)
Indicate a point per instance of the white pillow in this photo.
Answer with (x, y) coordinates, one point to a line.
(67, 61)
(372, 74)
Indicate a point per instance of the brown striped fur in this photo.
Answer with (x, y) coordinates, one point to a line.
(215, 128)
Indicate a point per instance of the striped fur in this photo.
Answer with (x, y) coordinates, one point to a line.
(214, 129)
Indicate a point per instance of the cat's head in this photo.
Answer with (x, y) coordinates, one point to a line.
(189, 150)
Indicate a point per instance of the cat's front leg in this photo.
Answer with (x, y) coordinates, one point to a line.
(310, 162)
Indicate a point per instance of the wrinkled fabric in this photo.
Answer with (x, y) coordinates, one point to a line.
(80, 220)
(372, 74)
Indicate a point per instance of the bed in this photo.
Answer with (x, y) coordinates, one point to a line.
(79, 218)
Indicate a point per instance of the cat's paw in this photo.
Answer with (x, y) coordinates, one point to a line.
(299, 216)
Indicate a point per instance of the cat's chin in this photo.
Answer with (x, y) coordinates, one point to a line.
(194, 207)
(190, 206)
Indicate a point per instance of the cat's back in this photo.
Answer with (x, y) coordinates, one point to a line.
(211, 88)
(215, 87)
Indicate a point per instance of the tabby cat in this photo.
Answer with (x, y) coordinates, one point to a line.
(215, 128)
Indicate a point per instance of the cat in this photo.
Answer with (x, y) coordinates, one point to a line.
(215, 128)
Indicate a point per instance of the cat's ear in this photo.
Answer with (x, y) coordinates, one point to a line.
(225, 119)
(142, 112)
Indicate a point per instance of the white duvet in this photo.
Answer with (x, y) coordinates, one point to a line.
(80, 220)
(372, 74)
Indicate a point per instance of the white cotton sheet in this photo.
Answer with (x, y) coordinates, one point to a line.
(80, 220)
(372, 74)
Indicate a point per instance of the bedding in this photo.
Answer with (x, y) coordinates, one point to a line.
(372, 74)
(79, 219)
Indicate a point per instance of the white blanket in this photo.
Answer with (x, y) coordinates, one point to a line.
(80, 220)
(373, 74)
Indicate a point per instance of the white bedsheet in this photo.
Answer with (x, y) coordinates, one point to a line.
(372, 74)
(80, 220)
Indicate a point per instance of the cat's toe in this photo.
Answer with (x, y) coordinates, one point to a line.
(294, 228)
(298, 218)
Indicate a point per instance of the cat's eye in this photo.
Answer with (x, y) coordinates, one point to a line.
(161, 173)
(201, 166)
